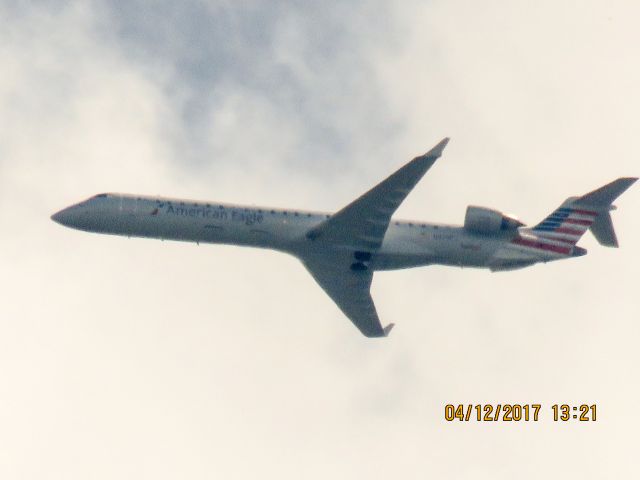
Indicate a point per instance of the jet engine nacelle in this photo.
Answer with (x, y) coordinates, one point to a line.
(488, 221)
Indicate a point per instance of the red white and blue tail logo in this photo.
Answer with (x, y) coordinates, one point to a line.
(566, 224)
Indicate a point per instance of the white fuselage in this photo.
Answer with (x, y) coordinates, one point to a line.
(406, 243)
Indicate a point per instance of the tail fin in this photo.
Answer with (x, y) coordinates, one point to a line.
(590, 211)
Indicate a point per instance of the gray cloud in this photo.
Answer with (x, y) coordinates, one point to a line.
(300, 65)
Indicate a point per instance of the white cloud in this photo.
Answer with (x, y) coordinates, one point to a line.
(141, 358)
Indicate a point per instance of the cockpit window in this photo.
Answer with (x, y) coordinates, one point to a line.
(100, 195)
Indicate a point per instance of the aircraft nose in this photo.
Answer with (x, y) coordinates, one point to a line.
(61, 217)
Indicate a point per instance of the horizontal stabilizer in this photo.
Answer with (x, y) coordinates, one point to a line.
(605, 196)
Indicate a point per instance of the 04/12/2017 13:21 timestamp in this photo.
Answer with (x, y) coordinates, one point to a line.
(518, 412)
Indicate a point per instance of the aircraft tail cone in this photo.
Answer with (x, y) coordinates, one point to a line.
(578, 252)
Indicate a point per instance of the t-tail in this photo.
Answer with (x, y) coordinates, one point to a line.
(591, 211)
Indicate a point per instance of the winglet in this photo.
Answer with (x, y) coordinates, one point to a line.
(387, 329)
(436, 151)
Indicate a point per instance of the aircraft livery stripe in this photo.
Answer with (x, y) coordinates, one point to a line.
(576, 221)
(546, 236)
(582, 215)
(547, 223)
(569, 231)
(586, 212)
(583, 223)
(566, 215)
(542, 246)
(554, 236)
(557, 228)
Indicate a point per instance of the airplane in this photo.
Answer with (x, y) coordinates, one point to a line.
(342, 250)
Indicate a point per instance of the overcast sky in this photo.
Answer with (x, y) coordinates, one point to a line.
(131, 358)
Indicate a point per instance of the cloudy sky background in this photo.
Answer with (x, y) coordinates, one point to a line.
(140, 359)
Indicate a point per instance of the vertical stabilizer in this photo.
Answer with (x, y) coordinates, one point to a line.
(567, 223)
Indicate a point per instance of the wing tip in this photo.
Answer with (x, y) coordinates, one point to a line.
(388, 329)
(437, 150)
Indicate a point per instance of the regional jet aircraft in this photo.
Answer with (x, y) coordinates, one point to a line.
(342, 250)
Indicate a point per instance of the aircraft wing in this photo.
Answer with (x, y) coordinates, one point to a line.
(363, 223)
(349, 289)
